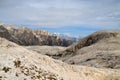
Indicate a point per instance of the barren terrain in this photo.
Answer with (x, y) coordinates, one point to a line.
(96, 61)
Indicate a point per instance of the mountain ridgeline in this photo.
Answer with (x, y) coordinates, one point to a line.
(95, 57)
(25, 36)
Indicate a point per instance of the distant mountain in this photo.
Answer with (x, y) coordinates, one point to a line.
(4, 33)
(63, 36)
(25, 36)
(67, 37)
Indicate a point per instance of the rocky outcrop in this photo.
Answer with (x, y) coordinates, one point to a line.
(41, 32)
(26, 36)
(37, 37)
(5, 34)
(53, 40)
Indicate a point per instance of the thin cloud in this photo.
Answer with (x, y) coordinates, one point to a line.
(60, 13)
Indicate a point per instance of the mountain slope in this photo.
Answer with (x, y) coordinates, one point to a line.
(37, 37)
(92, 39)
(25, 35)
(5, 34)
(18, 63)
(101, 49)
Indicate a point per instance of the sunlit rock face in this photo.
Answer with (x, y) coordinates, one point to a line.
(36, 37)
(41, 32)
(5, 34)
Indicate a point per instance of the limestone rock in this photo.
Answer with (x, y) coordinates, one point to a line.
(5, 34)
(36, 37)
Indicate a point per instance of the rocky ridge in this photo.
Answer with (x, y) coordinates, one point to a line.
(25, 36)
(100, 49)
(5, 34)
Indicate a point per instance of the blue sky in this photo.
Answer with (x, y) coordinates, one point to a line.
(72, 17)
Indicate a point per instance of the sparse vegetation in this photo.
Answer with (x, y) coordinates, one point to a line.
(17, 63)
(6, 69)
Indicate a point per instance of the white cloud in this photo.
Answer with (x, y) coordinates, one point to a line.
(60, 13)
